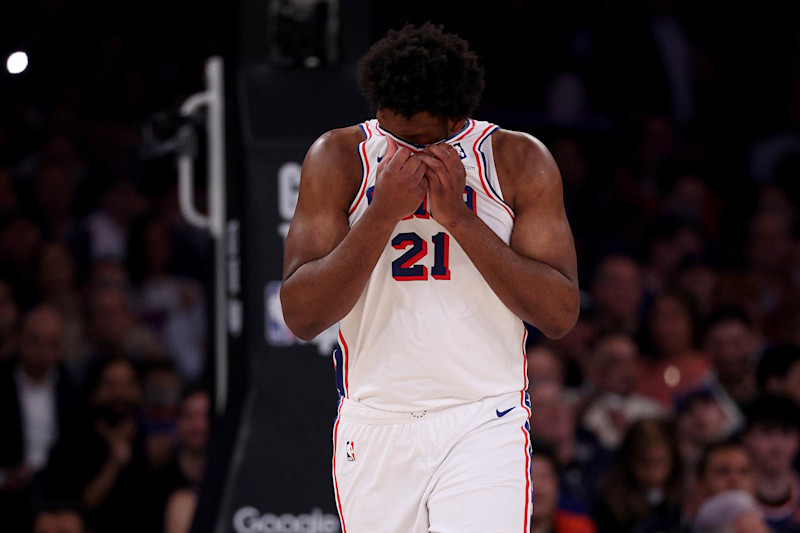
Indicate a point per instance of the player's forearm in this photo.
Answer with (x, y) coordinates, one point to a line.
(540, 294)
(321, 292)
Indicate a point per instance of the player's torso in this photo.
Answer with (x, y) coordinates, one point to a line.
(428, 332)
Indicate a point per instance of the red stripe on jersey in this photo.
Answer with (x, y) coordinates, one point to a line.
(335, 481)
(362, 148)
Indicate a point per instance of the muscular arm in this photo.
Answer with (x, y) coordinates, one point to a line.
(536, 276)
(327, 263)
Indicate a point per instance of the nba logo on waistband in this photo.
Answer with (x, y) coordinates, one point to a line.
(351, 453)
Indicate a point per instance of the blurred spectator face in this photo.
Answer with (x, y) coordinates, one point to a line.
(545, 488)
(729, 468)
(544, 366)
(117, 394)
(58, 522)
(8, 309)
(111, 317)
(769, 242)
(703, 422)
(193, 424)
(123, 202)
(42, 341)
(20, 241)
(787, 385)
(161, 393)
(56, 271)
(671, 326)
(700, 282)
(652, 465)
(106, 272)
(731, 346)
(552, 418)
(666, 254)
(617, 289)
(614, 365)
(54, 191)
(772, 446)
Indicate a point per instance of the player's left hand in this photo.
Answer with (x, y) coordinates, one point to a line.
(446, 180)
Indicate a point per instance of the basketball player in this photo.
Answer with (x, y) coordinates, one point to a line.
(429, 236)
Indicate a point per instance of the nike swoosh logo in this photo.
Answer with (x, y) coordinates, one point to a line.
(501, 414)
(380, 158)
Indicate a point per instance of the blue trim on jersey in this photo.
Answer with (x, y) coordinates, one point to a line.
(338, 363)
(486, 166)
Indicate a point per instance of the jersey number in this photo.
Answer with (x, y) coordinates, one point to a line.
(405, 267)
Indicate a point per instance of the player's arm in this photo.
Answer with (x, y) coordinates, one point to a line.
(327, 263)
(536, 276)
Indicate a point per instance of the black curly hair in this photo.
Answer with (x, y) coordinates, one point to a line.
(422, 69)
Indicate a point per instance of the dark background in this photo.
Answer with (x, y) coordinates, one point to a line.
(674, 124)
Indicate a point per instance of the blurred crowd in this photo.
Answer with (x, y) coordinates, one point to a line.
(104, 409)
(673, 405)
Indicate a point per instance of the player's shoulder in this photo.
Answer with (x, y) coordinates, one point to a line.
(336, 143)
(523, 162)
(519, 149)
(334, 155)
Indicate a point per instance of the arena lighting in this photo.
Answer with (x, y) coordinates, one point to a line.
(17, 62)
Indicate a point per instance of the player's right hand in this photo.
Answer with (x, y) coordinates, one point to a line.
(400, 186)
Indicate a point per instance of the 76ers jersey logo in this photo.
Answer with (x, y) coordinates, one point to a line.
(350, 450)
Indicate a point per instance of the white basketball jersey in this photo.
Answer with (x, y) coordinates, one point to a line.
(427, 331)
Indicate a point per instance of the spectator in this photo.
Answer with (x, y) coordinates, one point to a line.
(9, 313)
(674, 364)
(59, 518)
(57, 285)
(547, 517)
(170, 304)
(582, 460)
(732, 343)
(700, 422)
(103, 465)
(612, 402)
(724, 465)
(181, 481)
(643, 491)
(161, 396)
(544, 366)
(617, 294)
(772, 437)
(37, 407)
(769, 248)
(731, 511)
(779, 371)
(109, 225)
(114, 330)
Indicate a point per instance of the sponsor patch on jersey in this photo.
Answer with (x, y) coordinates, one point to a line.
(351, 450)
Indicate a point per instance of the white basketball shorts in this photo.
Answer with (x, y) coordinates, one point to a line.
(463, 469)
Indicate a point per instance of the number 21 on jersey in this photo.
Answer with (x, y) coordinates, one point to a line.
(407, 267)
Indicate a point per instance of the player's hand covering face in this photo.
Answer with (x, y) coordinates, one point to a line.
(400, 184)
(446, 179)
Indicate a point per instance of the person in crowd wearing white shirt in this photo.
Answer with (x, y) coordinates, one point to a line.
(37, 406)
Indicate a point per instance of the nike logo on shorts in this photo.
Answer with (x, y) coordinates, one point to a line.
(501, 414)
